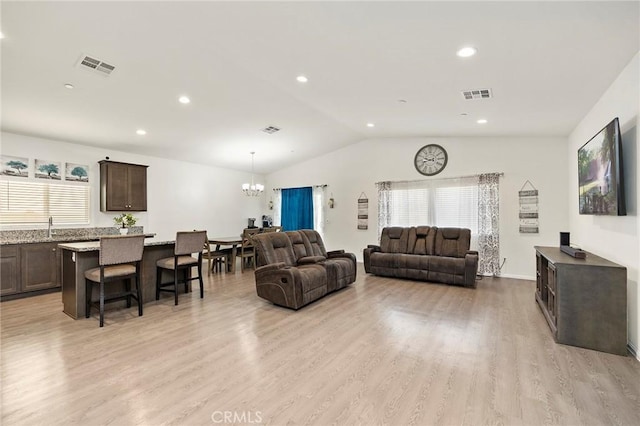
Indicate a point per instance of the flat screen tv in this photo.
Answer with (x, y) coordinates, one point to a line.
(600, 174)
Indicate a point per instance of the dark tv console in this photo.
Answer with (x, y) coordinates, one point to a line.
(583, 300)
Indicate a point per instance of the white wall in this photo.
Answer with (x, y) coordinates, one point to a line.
(181, 196)
(356, 168)
(613, 237)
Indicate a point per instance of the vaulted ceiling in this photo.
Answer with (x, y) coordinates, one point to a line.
(392, 64)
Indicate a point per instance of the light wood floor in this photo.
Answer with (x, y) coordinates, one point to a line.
(382, 351)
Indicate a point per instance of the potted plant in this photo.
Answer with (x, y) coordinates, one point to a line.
(124, 221)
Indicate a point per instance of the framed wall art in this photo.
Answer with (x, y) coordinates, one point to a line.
(14, 166)
(46, 169)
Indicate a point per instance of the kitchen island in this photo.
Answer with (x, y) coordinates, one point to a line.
(30, 259)
(81, 256)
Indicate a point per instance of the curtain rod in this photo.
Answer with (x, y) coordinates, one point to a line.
(447, 178)
(280, 189)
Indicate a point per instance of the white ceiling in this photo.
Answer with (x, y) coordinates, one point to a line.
(547, 63)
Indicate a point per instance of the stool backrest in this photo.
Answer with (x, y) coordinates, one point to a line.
(121, 249)
(190, 242)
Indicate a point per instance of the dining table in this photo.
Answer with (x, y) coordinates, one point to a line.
(234, 242)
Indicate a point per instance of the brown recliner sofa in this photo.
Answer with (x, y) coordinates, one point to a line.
(425, 253)
(294, 268)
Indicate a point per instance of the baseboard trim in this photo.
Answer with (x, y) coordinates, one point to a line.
(515, 277)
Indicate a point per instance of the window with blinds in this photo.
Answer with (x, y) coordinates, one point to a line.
(30, 202)
(442, 203)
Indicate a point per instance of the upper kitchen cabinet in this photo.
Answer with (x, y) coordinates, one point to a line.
(123, 186)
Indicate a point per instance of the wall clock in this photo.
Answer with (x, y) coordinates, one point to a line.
(430, 159)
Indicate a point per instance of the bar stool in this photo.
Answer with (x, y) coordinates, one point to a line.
(187, 243)
(119, 260)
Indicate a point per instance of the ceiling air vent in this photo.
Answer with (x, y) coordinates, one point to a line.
(271, 129)
(95, 65)
(477, 94)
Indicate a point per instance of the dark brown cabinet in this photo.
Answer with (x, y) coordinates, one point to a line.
(28, 268)
(123, 186)
(9, 270)
(583, 300)
(39, 266)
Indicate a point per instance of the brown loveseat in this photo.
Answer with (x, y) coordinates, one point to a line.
(424, 253)
(295, 269)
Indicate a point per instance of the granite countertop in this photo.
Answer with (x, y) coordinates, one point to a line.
(95, 245)
(62, 235)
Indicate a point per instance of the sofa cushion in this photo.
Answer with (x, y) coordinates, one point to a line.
(340, 273)
(452, 242)
(447, 269)
(275, 248)
(384, 263)
(413, 266)
(421, 240)
(314, 242)
(298, 243)
(394, 239)
(312, 277)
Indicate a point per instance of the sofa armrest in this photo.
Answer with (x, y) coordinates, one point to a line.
(271, 266)
(470, 268)
(338, 254)
(309, 260)
(366, 255)
(279, 284)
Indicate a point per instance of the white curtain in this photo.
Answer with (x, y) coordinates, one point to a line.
(277, 207)
(489, 224)
(319, 201)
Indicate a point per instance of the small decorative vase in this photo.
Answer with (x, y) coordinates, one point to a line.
(124, 231)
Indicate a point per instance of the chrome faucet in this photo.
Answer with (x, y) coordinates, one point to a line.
(49, 231)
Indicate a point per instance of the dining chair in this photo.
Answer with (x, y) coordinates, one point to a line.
(187, 244)
(247, 249)
(216, 259)
(119, 260)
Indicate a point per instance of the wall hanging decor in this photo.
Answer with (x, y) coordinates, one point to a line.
(46, 169)
(363, 211)
(76, 172)
(528, 209)
(14, 166)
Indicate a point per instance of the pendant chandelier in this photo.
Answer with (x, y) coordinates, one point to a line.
(252, 189)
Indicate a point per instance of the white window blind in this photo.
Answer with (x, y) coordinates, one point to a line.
(443, 203)
(32, 202)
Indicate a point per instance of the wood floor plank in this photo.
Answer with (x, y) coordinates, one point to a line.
(382, 351)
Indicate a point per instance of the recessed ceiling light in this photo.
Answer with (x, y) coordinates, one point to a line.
(466, 52)
(402, 101)
(302, 79)
(69, 86)
(464, 113)
(184, 99)
(371, 125)
(141, 132)
(482, 121)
